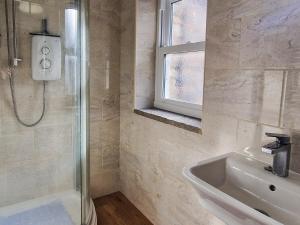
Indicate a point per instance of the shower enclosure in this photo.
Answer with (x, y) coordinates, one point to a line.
(44, 113)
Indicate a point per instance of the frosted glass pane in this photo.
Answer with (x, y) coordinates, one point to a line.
(189, 21)
(184, 77)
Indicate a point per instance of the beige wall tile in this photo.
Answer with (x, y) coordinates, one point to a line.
(145, 54)
(236, 93)
(291, 117)
(272, 97)
(105, 182)
(105, 38)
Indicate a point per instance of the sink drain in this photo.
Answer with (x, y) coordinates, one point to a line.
(263, 212)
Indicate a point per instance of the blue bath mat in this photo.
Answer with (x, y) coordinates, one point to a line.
(53, 213)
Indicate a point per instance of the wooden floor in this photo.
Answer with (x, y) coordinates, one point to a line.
(116, 209)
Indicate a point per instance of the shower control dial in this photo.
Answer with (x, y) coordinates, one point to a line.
(45, 50)
(45, 64)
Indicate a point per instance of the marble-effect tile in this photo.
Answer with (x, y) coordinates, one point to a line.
(105, 34)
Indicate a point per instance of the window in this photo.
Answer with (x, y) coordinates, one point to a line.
(180, 56)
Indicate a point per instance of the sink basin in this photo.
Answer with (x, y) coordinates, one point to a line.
(239, 191)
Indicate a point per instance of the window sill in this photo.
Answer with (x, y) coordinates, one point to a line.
(174, 119)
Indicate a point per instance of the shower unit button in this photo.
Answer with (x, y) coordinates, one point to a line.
(45, 50)
(45, 64)
(46, 57)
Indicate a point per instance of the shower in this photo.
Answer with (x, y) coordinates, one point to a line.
(44, 164)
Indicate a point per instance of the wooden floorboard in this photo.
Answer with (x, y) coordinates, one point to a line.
(116, 209)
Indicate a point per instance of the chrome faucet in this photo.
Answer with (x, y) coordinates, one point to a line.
(281, 149)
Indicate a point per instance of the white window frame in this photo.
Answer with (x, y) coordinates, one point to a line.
(164, 47)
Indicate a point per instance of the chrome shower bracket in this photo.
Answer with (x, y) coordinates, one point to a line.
(16, 61)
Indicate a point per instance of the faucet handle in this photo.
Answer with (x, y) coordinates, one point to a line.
(283, 139)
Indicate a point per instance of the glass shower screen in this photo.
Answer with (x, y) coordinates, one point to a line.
(43, 113)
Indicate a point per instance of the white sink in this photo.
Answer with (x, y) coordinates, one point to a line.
(232, 186)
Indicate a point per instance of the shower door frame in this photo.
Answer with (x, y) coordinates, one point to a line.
(86, 202)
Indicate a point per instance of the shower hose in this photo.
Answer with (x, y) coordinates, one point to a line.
(13, 96)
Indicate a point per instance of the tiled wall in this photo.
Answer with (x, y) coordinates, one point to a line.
(145, 56)
(251, 87)
(35, 161)
(104, 95)
(252, 70)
